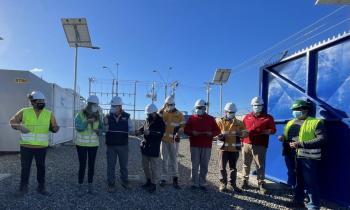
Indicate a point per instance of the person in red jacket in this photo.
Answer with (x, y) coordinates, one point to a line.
(259, 125)
(201, 128)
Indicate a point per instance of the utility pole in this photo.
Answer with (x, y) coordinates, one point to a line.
(113, 85)
(153, 93)
(135, 103)
(173, 88)
(90, 82)
(208, 95)
(117, 78)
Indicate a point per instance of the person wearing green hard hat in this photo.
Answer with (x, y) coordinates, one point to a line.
(305, 136)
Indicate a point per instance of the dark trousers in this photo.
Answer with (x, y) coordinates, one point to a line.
(86, 153)
(231, 158)
(307, 182)
(27, 155)
(290, 160)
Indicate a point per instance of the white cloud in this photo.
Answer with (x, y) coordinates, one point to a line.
(36, 70)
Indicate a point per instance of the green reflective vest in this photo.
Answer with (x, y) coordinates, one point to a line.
(38, 127)
(306, 133)
(88, 137)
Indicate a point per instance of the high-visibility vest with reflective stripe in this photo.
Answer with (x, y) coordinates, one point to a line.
(88, 137)
(172, 120)
(38, 127)
(306, 133)
(232, 142)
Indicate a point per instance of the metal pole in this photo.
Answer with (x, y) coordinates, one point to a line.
(135, 104)
(166, 90)
(117, 78)
(152, 92)
(75, 87)
(113, 84)
(208, 96)
(221, 100)
(90, 80)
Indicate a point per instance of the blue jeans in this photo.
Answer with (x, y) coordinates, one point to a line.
(307, 182)
(290, 160)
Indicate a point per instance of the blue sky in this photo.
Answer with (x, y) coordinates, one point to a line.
(194, 37)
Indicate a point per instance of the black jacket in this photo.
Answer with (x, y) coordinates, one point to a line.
(150, 145)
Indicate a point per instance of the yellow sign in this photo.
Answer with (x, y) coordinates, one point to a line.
(21, 81)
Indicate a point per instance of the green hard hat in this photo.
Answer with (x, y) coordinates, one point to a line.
(297, 104)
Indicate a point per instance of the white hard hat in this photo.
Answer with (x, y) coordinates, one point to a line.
(230, 107)
(257, 101)
(36, 95)
(170, 100)
(150, 108)
(116, 100)
(200, 102)
(93, 99)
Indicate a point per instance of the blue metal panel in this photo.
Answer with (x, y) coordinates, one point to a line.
(321, 75)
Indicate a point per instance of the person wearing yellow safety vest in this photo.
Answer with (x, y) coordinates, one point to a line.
(174, 121)
(306, 135)
(88, 124)
(229, 142)
(34, 123)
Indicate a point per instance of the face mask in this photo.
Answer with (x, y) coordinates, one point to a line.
(113, 110)
(94, 109)
(149, 116)
(297, 114)
(40, 106)
(257, 109)
(230, 115)
(199, 111)
(172, 107)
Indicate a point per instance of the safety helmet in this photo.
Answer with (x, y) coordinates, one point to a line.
(150, 108)
(36, 95)
(230, 107)
(93, 99)
(300, 104)
(256, 101)
(169, 100)
(200, 102)
(116, 100)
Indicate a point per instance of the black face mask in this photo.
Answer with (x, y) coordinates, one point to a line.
(40, 106)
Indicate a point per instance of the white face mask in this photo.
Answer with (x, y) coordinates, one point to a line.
(257, 109)
(199, 111)
(230, 115)
(113, 110)
(94, 109)
(172, 107)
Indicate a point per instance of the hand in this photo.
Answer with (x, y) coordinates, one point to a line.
(90, 120)
(146, 132)
(294, 144)
(295, 138)
(195, 133)
(221, 136)
(24, 130)
(244, 133)
(137, 133)
(177, 136)
(281, 138)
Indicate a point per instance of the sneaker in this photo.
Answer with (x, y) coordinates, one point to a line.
(262, 188)
(234, 188)
(222, 187)
(152, 188)
(176, 183)
(111, 188)
(162, 183)
(244, 184)
(148, 184)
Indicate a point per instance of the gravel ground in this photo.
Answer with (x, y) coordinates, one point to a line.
(61, 178)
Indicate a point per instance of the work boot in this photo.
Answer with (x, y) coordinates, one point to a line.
(244, 184)
(222, 187)
(42, 190)
(176, 183)
(152, 188)
(262, 188)
(148, 184)
(22, 190)
(234, 188)
(111, 188)
(125, 184)
(162, 183)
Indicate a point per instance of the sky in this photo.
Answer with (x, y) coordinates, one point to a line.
(193, 37)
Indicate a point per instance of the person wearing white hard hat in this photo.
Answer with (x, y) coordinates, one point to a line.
(88, 124)
(118, 126)
(174, 121)
(229, 142)
(153, 131)
(259, 125)
(34, 123)
(201, 128)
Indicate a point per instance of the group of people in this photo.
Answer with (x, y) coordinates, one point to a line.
(302, 140)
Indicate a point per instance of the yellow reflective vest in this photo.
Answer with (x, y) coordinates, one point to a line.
(172, 120)
(230, 128)
(88, 137)
(306, 133)
(38, 127)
